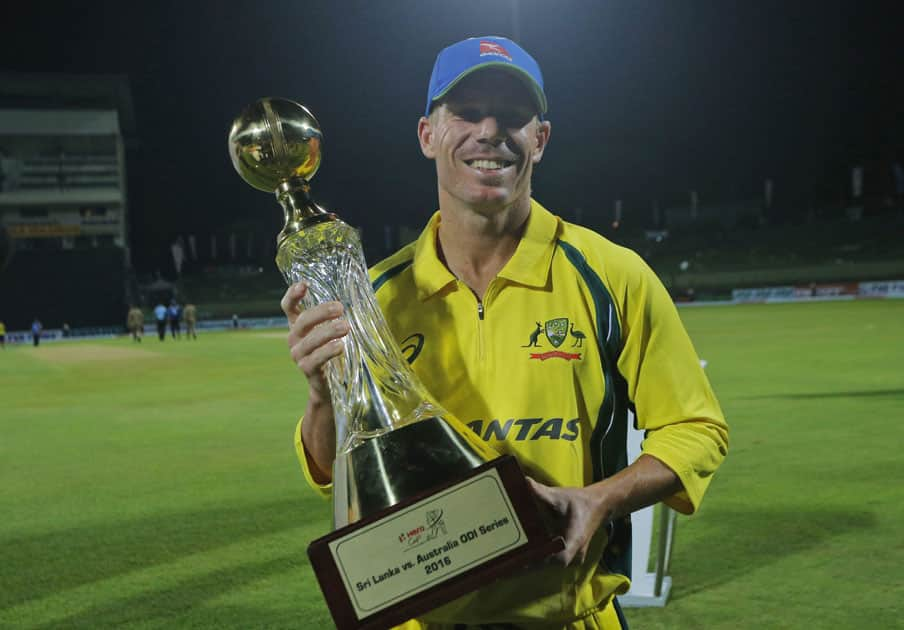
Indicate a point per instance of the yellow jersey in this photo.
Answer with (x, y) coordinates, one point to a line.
(572, 333)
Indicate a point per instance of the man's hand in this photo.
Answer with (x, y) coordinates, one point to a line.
(315, 337)
(580, 511)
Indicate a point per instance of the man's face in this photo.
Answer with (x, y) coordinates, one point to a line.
(485, 138)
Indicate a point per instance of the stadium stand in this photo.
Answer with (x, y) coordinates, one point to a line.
(63, 201)
(703, 260)
(221, 291)
(54, 287)
(731, 246)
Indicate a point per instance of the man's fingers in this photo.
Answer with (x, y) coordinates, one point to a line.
(576, 543)
(318, 337)
(556, 499)
(548, 496)
(313, 329)
(544, 493)
(312, 362)
(310, 319)
(572, 546)
(573, 553)
(315, 333)
(291, 299)
(566, 505)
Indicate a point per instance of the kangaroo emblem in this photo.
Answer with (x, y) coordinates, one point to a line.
(578, 337)
(533, 336)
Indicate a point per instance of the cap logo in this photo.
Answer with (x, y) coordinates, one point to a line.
(494, 49)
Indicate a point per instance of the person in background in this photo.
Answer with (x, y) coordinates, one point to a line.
(36, 329)
(2, 335)
(174, 312)
(160, 315)
(135, 323)
(190, 313)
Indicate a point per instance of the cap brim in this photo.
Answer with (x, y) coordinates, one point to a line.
(526, 78)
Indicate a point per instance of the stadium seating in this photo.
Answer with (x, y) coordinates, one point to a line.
(54, 282)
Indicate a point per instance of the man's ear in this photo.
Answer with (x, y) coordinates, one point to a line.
(425, 137)
(544, 130)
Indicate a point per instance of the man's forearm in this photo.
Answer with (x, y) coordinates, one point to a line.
(318, 435)
(645, 482)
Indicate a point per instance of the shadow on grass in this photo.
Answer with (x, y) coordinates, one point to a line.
(868, 393)
(37, 566)
(175, 606)
(729, 544)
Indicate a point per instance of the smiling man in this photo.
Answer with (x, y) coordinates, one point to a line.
(537, 333)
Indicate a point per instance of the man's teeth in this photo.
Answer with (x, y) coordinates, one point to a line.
(488, 164)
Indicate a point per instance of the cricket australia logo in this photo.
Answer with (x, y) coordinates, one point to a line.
(556, 331)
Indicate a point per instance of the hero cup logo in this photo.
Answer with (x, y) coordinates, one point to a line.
(434, 526)
(492, 48)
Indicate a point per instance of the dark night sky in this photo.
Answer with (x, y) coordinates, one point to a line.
(647, 99)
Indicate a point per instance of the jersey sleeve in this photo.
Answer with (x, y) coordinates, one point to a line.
(673, 400)
(326, 491)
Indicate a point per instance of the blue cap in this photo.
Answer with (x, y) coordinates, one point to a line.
(477, 53)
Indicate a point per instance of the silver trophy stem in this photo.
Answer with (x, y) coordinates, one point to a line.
(371, 386)
(392, 439)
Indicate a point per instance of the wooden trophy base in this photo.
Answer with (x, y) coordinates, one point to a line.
(431, 548)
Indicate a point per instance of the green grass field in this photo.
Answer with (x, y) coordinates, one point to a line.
(155, 485)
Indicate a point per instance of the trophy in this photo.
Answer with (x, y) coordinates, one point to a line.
(423, 510)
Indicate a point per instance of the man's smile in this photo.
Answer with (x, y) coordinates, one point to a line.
(489, 165)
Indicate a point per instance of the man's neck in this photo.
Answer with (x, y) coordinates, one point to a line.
(476, 245)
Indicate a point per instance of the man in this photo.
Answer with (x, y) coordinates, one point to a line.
(135, 323)
(160, 313)
(175, 315)
(491, 267)
(191, 318)
(37, 328)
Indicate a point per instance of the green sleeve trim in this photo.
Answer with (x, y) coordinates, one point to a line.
(609, 440)
(389, 274)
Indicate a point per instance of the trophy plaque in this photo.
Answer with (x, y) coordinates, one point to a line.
(423, 510)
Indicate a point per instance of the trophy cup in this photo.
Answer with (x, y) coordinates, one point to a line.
(423, 510)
